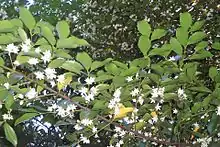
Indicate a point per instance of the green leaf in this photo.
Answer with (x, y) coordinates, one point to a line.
(157, 34)
(71, 42)
(216, 45)
(196, 37)
(176, 46)
(7, 39)
(163, 51)
(99, 105)
(56, 63)
(27, 18)
(200, 89)
(63, 30)
(22, 59)
(62, 54)
(185, 20)
(182, 36)
(197, 26)
(95, 65)
(72, 66)
(120, 64)
(2, 62)
(9, 101)
(144, 28)
(42, 41)
(25, 117)
(213, 72)
(84, 59)
(201, 54)
(112, 69)
(17, 22)
(10, 134)
(144, 44)
(6, 26)
(196, 107)
(141, 62)
(201, 45)
(103, 78)
(22, 34)
(212, 126)
(48, 34)
(131, 71)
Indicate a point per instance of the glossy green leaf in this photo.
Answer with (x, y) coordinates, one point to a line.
(7, 39)
(72, 66)
(200, 89)
(213, 72)
(56, 63)
(2, 62)
(185, 20)
(17, 22)
(22, 34)
(63, 54)
(103, 78)
(144, 28)
(25, 117)
(95, 65)
(176, 46)
(182, 36)
(63, 30)
(6, 26)
(48, 34)
(201, 45)
(216, 45)
(71, 42)
(9, 101)
(196, 37)
(84, 59)
(212, 126)
(197, 26)
(144, 44)
(10, 134)
(157, 34)
(201, 54)
(27, 18)
(99, 105)
(112, 69)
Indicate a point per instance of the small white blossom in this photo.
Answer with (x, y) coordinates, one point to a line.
(218, 110)
(50, 73)
(94, 130)
(6, 85)
(84, 139)
(27, 42)
(46, 56)
(33, 61)
(25, 47)
(7, 116)
(83, 91)
(39, 75)
(94, 90)
(16, 63)
(157, 107)
(78, 127)
(117, 93)
(90, 80)
(31, 93)
(86, 122)
(61, 78)
(134, 92)
(37, 50)
(175, 111)
(129, 79)
(157, 92)
(11, 48)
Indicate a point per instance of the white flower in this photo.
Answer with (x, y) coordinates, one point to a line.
(204, 141)
(117, 93)
(50, 73)
(140, 100)
(37, 50)
(90, 80)
(11, 48)
(61, 112)
(172, 58)
(46, 56)
(94, 90)
(78, 127)
(31, 93)
(7, 85)
(129, 79)
(33, 61)
(181, 93)
(27, 42)
(157, 92)
(135, 92)
(83, 91)
(25, 47)
(21, 96)
(89, 97)
(86, 122)
(7, 116)
(16, 63)
(61, 78)
(175, 111)
(218, 110)
(39, 75)
(84, 139)
(71, 107)
(94, 130)
(52, 83)
(157, 107)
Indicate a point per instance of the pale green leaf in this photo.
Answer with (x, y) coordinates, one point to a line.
(144, 28)
(176, 46)
(63, 30)
(185, 20)
(196, 37)
(25, 117)
(197, 26)
(84, 59)
(27, 18)
(182, 36)
(157, 34)
(144, 44)
(10, 134)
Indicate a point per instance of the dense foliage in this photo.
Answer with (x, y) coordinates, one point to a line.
(162, 98)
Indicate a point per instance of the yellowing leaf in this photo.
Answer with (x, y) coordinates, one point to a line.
(66, 81)
(123, 111)
(153, 114)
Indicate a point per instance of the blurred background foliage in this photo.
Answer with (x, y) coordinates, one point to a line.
(110, 27)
